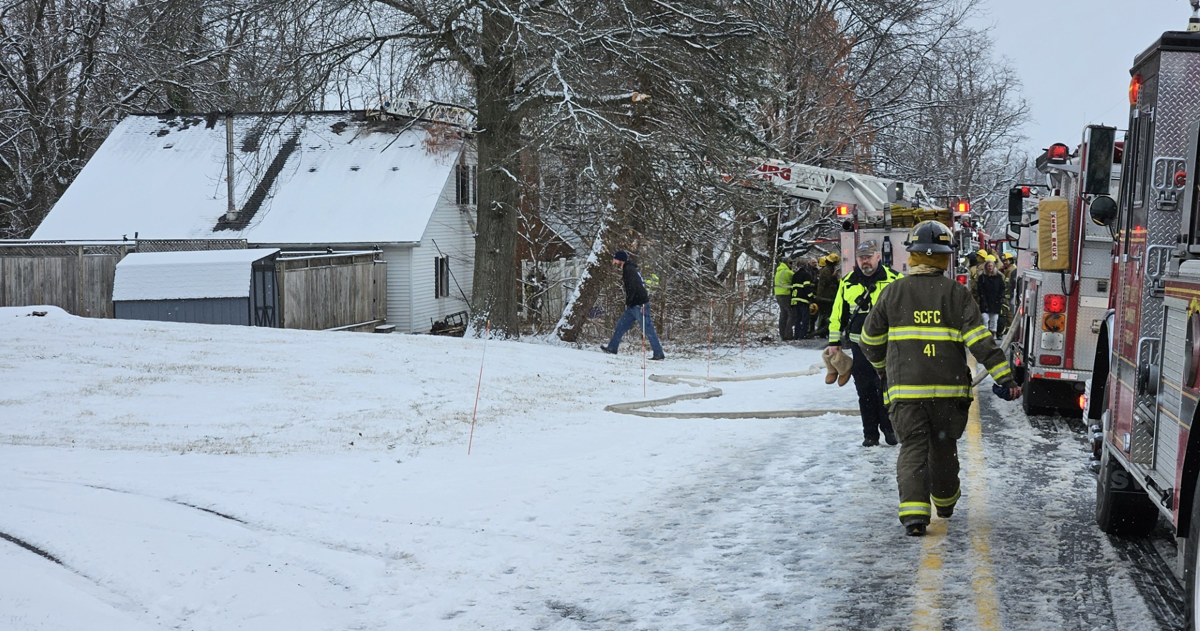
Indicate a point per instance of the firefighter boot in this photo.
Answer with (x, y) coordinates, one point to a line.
(915, 530)
(831, 374)
(844, 365)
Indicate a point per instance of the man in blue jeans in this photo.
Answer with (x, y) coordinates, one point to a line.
(637, 307)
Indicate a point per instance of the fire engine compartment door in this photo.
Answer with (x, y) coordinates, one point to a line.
(1054, 234)
(1190, 218)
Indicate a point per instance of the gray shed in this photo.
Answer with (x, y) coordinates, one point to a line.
(212, 287)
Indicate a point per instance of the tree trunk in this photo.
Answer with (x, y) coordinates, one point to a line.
(494, 295)
(595, 274)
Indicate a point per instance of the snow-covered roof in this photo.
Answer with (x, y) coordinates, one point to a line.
(305, 178)
(183, 275)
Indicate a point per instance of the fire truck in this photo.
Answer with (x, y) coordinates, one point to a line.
(866, 207)
(1063, 268)
(1147, 371)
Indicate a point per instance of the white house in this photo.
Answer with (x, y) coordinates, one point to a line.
(313, 181)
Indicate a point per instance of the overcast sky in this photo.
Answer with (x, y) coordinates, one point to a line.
(1074, 57)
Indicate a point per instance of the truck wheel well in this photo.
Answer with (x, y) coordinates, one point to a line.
(1187, 482)
(1100, 368)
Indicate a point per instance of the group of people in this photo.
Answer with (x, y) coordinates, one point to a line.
(805, 288)
(991, 282)
(908, 336)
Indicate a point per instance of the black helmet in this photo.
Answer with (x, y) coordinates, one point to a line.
(930, 237)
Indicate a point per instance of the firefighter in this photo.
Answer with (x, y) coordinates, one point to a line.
(783, 296)
(855, 297)
(1009, 270)
(915, 337)
(827, 286)
(802, 294)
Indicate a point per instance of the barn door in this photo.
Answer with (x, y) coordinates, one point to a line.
(263, 295)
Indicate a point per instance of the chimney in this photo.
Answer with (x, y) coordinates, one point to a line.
(231, 212)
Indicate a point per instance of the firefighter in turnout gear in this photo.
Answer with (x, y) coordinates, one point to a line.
(802, 295)
(856, 295)
(827, 285)
(783, 296)
(915, 336)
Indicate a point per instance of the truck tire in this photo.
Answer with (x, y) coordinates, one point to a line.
(1191, 550)
(1027, 396)
(1122, 507)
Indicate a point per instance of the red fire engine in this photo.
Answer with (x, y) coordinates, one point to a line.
(1063, 268)
(1147, 371)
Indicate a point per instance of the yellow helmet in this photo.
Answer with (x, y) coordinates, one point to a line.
(982, 253)
(821, 262)
(1008, 256)
(834, 258)
(991, 258)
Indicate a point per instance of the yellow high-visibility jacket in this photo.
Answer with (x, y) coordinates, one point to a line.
(855, 295)
(783, 280)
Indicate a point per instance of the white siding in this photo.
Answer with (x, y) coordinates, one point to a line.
(449, 233)
(399, 287)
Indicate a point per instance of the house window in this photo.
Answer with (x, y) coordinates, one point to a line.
(441, 276)
(466, 189)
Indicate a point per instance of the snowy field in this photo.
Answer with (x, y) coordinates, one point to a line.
(163, 476)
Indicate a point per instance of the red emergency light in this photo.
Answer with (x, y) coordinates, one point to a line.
(1057, 153)
(964, 206)
(962, 279)
(1083, 401)
(1026, 191)
(1054, 303)
(1135, 89)
(1049, 360)
(843, 210)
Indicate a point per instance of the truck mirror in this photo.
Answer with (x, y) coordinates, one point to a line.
(1103, 210)
(1016, 205)
(1098, 176)
(1014, 234)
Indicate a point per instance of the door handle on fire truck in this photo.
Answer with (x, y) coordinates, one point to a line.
(1147, 382)
(1158, 257)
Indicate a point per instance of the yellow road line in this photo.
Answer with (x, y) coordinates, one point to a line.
(926, 613)
(983, 580)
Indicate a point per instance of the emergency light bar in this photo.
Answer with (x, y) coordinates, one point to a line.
(1057, 153)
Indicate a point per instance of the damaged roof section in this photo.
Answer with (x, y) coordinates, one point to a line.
(301, 178)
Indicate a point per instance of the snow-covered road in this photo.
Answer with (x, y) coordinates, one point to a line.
(231, 478)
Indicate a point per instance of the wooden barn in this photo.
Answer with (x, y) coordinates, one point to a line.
(401, 186)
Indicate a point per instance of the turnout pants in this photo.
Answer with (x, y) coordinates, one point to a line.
(870, 395)
(927, 467)
(785, 317)
(800, 321)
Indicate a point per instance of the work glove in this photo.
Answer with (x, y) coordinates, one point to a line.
(812, 309)
(1008, 394)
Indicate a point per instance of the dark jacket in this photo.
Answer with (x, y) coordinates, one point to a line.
(802, 286)
(990, 289)
(635, 289)
(918, 330)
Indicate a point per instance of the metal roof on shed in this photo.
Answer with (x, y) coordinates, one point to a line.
(186, 275)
